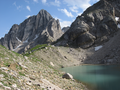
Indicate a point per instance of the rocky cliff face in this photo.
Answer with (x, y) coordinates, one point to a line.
(95, 26)
(39, 29)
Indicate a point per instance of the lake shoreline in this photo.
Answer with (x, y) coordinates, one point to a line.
(96, 77)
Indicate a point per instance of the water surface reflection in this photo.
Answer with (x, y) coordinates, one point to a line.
(99, 77)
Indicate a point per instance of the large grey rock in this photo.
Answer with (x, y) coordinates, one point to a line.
(67, 76)
(39, 29)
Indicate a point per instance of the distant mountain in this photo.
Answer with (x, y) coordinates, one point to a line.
(64, 29)
(95, 26)
(39, 29)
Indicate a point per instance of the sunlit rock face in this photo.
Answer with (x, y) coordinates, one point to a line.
(39, 29)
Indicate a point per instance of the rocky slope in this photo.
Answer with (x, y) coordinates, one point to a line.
(39, 29)
(30, 72)
(95, 26)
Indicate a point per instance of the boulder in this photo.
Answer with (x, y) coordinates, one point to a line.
(51, 63)
(67, 76)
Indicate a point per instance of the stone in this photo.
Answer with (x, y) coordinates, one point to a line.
(4, 68)
(29, 83)
(51, 63)
(26, 57)
(22, 65)
(7, 88)
(36, 83)
(1, 76)
(14, 86)
(46, 48)
(32, 77)
(1, 84)
(67, 76)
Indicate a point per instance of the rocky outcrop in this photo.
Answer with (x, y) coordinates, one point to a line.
(95, 26)
(39, 29)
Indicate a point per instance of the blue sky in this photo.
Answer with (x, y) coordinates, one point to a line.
(16, 11)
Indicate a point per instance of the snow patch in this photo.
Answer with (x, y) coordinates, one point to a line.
(36, 36)
(116, 18)
(118, 25)
(17, 47)
(18, 39)
(26, 41)
(98, 47)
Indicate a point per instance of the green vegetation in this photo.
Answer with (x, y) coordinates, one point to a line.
(22, 74)
(6, 64)
(41, 46)
(8, 80)
(5, 74)
(3, 46)
(18, 67)
(37, 47)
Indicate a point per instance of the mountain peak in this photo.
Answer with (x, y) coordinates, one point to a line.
(39, 29)
(44, 13)
(42, 10)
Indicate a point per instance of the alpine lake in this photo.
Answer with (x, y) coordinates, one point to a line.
(96, 77)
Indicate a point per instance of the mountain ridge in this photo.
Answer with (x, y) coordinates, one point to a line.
(39, 29)
(94, 27)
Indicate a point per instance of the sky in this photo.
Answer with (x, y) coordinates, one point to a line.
(16, 11)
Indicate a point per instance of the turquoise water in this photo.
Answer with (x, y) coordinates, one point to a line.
(97, 77)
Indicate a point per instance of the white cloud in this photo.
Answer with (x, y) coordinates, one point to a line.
(78, 3)
(18, 7)
(35, 1)
(79, 14)
(26, 1)
(55, 3)
(65, 23)
(28, 8)
(56, 18)
(74, 9)
(28, 16)
(69, 14)
(44, 1)
(14, 3)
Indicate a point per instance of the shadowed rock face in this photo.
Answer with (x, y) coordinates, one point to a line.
(39, 29)
(95, 26)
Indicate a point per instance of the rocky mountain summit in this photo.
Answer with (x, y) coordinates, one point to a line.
(95, 26)
(39, 29)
